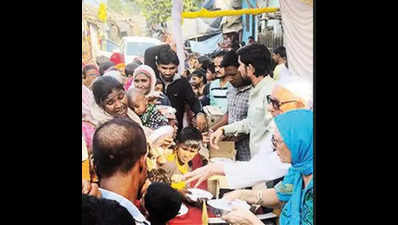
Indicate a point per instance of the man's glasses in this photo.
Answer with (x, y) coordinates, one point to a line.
(275, 103)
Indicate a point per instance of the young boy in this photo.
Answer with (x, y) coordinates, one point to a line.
(182, 159)
(149, 114)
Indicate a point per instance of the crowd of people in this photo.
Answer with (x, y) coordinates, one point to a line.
(147, 135)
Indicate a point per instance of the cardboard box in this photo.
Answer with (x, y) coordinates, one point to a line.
(226, 150)
(213, 114)
(214, 183)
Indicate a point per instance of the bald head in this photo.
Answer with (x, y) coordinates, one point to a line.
(117, 145)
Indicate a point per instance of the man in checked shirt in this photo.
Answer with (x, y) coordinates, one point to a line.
(238, 98)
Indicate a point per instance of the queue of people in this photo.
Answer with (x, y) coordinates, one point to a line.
(145, 131)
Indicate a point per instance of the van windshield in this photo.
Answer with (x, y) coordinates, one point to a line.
(138, 48)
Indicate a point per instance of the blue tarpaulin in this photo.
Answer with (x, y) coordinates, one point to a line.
(207, 46)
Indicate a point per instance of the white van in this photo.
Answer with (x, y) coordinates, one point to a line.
(134, 46)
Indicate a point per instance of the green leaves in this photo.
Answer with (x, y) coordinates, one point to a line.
(159, 11)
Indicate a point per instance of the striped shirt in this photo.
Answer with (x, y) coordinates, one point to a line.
(218, 95)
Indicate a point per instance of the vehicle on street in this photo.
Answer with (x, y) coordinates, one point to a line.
(134, 46)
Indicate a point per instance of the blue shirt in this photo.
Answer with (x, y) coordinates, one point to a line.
(138, 217)
(218, 95)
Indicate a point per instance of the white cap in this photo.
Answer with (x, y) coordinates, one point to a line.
(297, 85)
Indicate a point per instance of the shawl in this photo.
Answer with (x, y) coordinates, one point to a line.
(296, 129)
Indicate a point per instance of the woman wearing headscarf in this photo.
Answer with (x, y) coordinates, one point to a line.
(293, 141)
(144, 80)
(129, 72)
(109, 101)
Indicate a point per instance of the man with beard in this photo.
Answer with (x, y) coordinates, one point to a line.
(177, 88)
(238, 99)
(120, 151)
(255, 65)
(219, 87)
(265, 166)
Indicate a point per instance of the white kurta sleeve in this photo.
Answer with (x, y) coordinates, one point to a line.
(264, 166)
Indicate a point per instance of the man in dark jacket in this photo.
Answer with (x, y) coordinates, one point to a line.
(150, 57)
(177, 88)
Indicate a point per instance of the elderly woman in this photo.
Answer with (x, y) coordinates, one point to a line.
(294, 144)
(144, 80)
(129, 72)
(264, 166)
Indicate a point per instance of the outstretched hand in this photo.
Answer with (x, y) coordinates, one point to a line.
(203, 173)
(201, 122)
(241, 216)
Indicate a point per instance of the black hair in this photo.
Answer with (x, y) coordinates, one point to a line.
(87, 68)
(159, 175)
(189, 133)
(281, 51)
(100, 59)
(167, 56)
(104, 66)
(230, 59)
(219, 53)
(101, 211)
(258, 56)
(205, 61)
(250, 37)
(211, 67)
(130, 68)
(201, 73)
(188, 74)
(103, 86)
(162, 202)
(117, 145)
